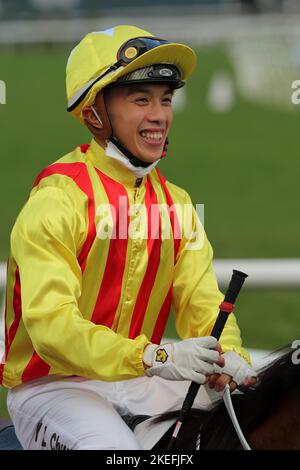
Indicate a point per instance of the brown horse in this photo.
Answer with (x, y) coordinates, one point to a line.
(268, 413)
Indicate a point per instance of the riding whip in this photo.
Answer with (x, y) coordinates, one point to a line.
(226, 307)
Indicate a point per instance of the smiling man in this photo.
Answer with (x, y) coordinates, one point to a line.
(85, 313)
(140, 114)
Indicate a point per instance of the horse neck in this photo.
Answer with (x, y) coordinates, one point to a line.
(281, 429)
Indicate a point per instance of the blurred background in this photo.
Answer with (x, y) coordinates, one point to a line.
(234, 145)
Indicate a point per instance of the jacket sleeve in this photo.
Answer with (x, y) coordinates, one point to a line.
(196, 296)
(45, 242)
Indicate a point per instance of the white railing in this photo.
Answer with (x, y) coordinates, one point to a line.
(263, 273)
(193, 28)
(278, 272)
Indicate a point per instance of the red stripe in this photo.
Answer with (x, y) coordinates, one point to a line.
(35, 368)
(17, 306)
(166, 307)
(154, 249)
(79, 173)
(162, 318)
(2, 361)
(110, 290)
(1, 372)
(173, 216)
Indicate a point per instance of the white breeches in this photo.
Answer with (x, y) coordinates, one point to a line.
(78, 413)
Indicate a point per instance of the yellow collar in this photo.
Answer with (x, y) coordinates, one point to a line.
(111, 167)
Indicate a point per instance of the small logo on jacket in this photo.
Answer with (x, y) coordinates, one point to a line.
(161, 355)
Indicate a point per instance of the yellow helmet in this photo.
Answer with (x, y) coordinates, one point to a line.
(103, 57)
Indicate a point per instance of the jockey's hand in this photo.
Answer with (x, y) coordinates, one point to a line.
(191, 359)
(236, 371)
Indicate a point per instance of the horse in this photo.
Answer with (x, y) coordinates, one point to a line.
(268, 413)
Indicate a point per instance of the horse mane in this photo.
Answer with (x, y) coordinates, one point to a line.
(252, 406)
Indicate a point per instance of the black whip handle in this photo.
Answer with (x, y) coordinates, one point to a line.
(235, 285)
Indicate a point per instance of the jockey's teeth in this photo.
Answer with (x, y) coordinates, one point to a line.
(152, 135)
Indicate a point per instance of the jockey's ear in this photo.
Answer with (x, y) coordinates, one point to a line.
(94, 124)
(91, 117)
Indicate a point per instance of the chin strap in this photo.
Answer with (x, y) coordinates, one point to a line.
(132, 158)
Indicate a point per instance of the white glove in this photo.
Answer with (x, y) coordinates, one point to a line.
(236, 367)
(190, 359)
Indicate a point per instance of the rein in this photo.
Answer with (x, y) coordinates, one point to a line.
(229, 407)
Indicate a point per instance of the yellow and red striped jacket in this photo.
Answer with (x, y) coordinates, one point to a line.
(78, 303)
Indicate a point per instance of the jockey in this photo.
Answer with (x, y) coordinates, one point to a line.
(99, 252)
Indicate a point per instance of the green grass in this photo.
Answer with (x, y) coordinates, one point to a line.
(243, 165)
(35, 127)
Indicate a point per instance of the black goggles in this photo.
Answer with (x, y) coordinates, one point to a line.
(128, 52)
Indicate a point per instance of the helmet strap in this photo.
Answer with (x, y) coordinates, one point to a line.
(106, 130)
(132, 158)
